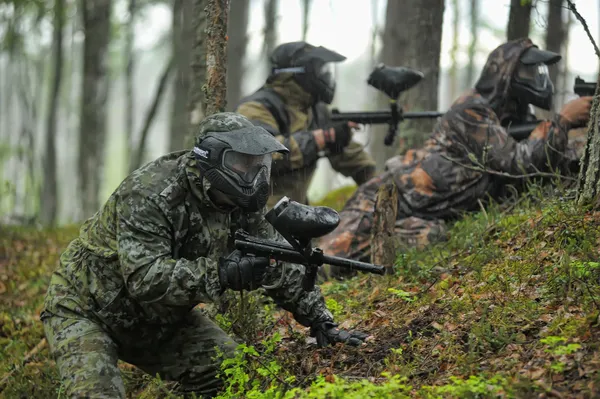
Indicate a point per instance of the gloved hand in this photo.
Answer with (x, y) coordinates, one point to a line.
(239, 272)
(338, 136)
(327, 333)
(577, 111)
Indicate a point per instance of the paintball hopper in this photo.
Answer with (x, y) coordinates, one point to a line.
(302, 222)
(394, 80)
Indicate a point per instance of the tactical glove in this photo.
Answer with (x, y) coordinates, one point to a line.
(342, 134)
(327, 333)
(239, 272)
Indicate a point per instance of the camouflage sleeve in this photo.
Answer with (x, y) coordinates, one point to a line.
(144, 238)
(302, 145)
(283, 282)
(354, 162)
(496, 149)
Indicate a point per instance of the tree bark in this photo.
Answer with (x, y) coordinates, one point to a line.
(519, 19)
(49, 194)
(474, 25)
(589, 174)
(236, 51)
(129, 68)
(384, 220)
(555, 34)
(415, 43)
(215, 89)
(305, 15)
(94, 93)
(183, 39)
(139, 149)
(197, 101)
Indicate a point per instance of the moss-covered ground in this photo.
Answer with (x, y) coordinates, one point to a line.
(507, 308)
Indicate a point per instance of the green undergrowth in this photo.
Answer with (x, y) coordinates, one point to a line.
(507, 308)
(337, 198)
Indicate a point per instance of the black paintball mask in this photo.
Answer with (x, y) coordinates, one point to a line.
(531, 82)
(311, 66)
(238, 164)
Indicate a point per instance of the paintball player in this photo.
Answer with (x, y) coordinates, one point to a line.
(126, 288)
(292, 107)
(455, 171)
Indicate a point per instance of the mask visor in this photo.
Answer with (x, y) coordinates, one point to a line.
(536, 76)
(246, 166)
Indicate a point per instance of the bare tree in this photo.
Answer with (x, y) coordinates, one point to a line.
(49, 196)
(453, 73)
(270, 32)
(589, 174)
(215, 89)
(197, 101)
(236, 51)
(519, 19)
(94, 92)
(129, 68)
(555, 33)
(474, 25)
(416, 43)
(183, 39)
(305, 15)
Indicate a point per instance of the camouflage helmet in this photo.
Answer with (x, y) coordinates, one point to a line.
(220, 122)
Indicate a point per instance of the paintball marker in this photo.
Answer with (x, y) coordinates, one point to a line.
(298, 224)
(583, 88)
(392, 81)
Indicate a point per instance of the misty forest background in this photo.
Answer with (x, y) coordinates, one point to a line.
(90, 90)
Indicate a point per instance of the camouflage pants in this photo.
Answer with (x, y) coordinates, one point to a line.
(87, 355)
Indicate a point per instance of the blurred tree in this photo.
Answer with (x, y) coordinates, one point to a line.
(474, 26)
(270, 32)
(197, 101)
(305, 17)
(129, 69)
(415, 43)
(215, 89)
(555, 34)
(94, 91)
(236, 51)
(49, 193)
(453, 73)
(182, 40)
(519, 19)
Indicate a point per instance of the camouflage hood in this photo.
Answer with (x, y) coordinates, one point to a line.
(294, 95)
(494, 81)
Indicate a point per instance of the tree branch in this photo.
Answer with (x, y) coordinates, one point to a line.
(150, 114)
(585, 27)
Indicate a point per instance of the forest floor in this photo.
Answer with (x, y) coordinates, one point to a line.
(508, 307)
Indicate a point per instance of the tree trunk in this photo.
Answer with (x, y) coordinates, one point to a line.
(215, 89)
(415, 43)
(236, 51)
(589, 174)
(305, 15)
(197, 101)
(384, 220)
(453, 73)
(129, 69)
(183, 39)
(49, 196)
(555, 33)
(138, 157)
(94, 92)
(270, 32)
(474, 25)
(519, 19)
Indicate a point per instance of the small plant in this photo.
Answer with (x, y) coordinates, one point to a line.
(401, 294)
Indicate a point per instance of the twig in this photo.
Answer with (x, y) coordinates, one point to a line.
(26, 360)
(585, 27)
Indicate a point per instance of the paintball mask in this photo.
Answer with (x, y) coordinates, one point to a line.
(531, 82)
(238, 164)
(311, 66)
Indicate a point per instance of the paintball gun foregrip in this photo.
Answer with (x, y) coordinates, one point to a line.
(583, 88)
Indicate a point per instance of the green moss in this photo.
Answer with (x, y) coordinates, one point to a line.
(336, 199)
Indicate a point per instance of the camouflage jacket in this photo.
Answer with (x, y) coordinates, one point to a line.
(292, 173)
(464, 160)
(151, 253)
